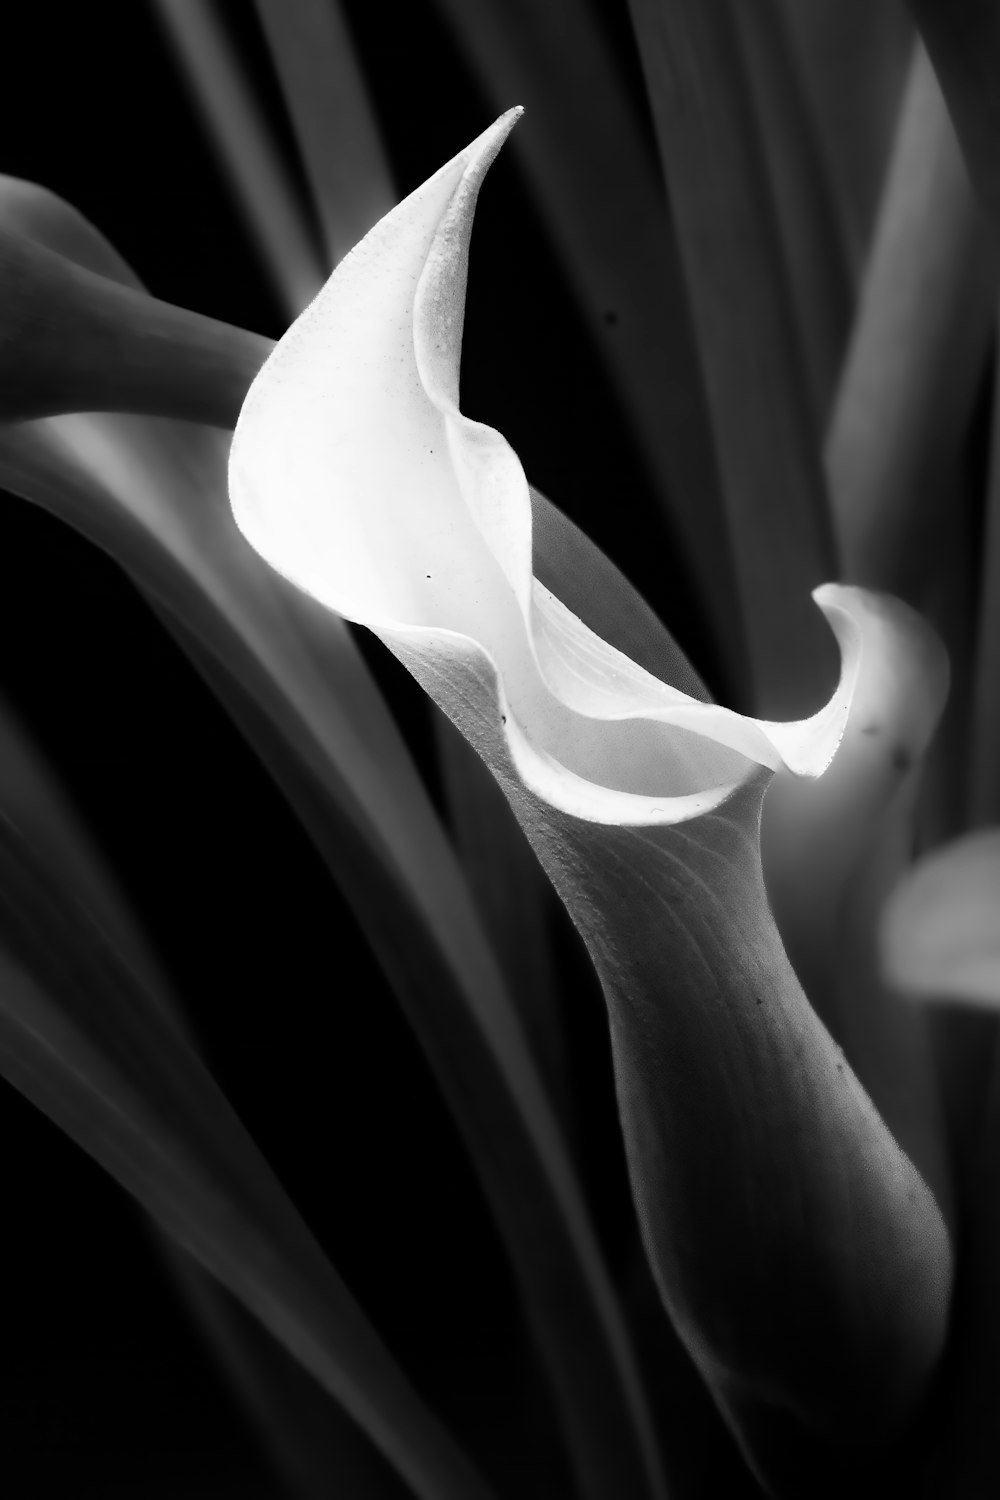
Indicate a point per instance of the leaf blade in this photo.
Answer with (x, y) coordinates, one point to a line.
(336, 128)
(916, 353)
(773, 490)
(245, 147)
(73, 340)
(599, 195)
(124, 1084)
(854, 60)
(153, 496)
(812, 242)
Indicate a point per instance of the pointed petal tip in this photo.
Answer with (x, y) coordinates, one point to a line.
(481, 153)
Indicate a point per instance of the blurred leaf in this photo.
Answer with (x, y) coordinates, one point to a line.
(894, 1045)
(939, 943)
(812, 238)
(152, 494)
(30, 795)
(513, 1142)
(242, 138)
(643, 806)
(916, 356)
(854, 58)
(311, 1431)
(963, 39)
(74, 340)
(832, 849)
(983, 788)
(79, 1038)
(765, 438)
(313, 1445)
(966, 1457)
(952, 601)
(599, 195)
(336, 128)
(949, 601)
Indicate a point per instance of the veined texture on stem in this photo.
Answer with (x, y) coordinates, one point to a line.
(773, 1199)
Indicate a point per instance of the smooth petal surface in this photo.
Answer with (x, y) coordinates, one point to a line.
(940, 931)
(799, 1252)
(335, 124)
(963, 39)
(806, 211)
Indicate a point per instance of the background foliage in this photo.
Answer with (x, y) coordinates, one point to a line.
(107, 1382)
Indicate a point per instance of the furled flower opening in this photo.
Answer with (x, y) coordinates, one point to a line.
(354, 473)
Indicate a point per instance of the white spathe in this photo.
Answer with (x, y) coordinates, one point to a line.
(354, 474)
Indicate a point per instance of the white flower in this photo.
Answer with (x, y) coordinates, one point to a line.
(354, 474)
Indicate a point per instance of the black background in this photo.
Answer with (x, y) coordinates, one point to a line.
(106, 1386)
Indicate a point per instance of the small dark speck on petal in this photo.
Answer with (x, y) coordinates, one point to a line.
(902, 760)
(427, 575)
(503, 718)
(758, 1000)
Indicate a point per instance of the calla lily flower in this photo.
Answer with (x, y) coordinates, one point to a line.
(798, 1250)
(786, 315)
(446, 554)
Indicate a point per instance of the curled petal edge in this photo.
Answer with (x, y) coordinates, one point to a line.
(355, 474)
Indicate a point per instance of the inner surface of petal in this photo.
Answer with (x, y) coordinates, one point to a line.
(355, 474)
